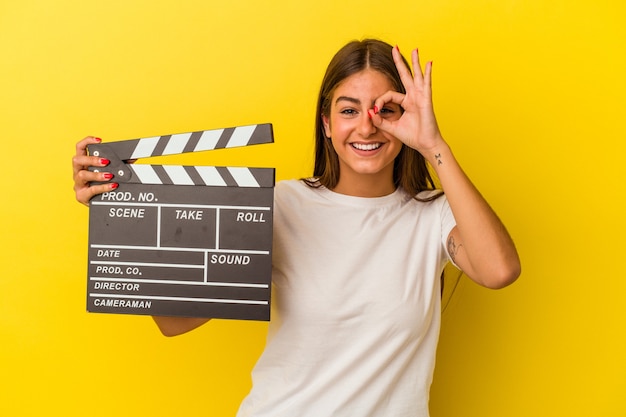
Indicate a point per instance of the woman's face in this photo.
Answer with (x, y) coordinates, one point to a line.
(366, 154)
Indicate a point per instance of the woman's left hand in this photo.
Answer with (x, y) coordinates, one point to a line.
(417, 127)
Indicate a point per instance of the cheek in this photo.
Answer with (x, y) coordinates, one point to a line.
(394, 142)
(336, 144)
(339, 128)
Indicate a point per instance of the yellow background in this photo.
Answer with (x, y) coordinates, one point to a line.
(530, 94)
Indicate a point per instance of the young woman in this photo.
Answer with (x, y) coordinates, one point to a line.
(360, 246)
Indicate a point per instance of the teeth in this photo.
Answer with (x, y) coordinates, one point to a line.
(366, 147)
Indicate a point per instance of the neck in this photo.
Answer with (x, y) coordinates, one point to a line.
(365, 186)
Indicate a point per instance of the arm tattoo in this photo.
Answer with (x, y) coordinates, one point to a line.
(453, 248)
(438, 158)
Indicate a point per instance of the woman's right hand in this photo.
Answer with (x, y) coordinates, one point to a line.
(83, 177)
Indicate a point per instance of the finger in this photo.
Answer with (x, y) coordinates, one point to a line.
(417, 67)
(378, 121)
(85, 177)
(387, 109)
(403, 70)
(81, 147)
(82, 162)
(81, 150)
(383, 123)
(389, 97)
(428, 75)
(87, 193)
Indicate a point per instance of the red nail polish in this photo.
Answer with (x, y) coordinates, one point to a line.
(375, 109)
(107, 175)
(397, 48)
(98, 140)
(104, 161)
(114, 185)
(369, 114)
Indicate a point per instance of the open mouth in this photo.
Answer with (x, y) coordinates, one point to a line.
(366, 146)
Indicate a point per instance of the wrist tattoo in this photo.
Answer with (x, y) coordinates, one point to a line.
(438, 158)
(453, 248)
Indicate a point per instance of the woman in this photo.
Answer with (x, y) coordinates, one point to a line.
(359, 247)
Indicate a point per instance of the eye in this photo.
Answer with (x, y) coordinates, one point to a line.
(348, 112)
(388, 111)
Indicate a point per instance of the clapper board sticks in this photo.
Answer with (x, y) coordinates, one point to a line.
(190, 241)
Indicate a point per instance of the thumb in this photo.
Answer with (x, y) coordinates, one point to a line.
(381, 123)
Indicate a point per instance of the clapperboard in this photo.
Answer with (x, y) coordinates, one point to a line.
(191, 241)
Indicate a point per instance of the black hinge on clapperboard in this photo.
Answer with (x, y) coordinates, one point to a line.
(172, 240)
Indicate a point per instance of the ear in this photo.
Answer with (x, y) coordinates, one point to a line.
(326, 122)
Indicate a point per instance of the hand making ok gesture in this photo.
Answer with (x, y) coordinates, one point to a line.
(417, 127)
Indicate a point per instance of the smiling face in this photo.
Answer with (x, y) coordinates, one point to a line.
(366, 154)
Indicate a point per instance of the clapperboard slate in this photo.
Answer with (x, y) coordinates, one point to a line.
(173, 240)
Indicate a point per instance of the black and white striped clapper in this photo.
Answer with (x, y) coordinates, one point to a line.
(190, 241)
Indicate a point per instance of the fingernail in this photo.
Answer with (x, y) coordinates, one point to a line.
(114, 185)
(107, 175)
(369, 113)
(104, 161)
(98, 140)
(431, 63)
(397, 48)
(375, 109)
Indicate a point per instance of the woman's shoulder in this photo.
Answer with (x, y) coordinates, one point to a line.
(290, 185)
(295, 195)
(292, 188)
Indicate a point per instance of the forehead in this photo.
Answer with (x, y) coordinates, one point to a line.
(367, 83)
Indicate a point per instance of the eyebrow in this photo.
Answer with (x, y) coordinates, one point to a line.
(346, 98)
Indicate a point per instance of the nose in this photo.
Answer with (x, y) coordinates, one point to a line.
(366, 128)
